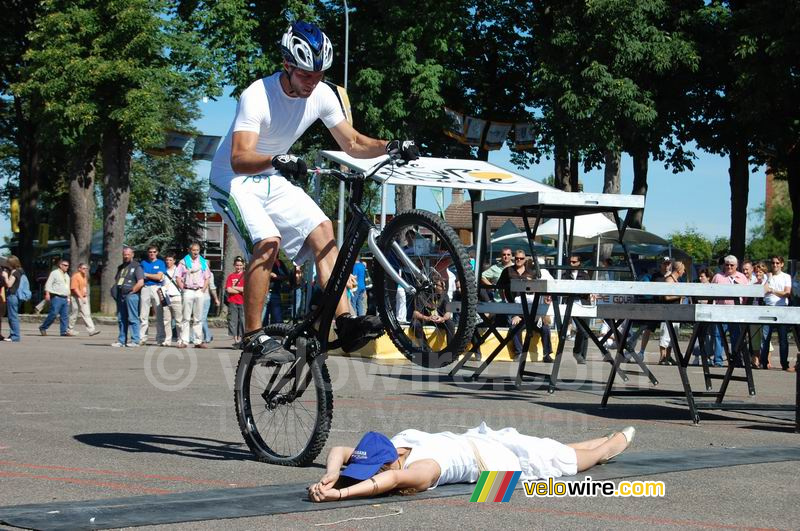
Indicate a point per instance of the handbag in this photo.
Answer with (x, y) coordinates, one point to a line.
(163, 297)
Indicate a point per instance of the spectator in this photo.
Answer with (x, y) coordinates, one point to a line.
(274, 313)
(297, 291)
(12, 279)
(665, 342)
(729, 275)
(350, 289)
(704, 276)
(491, 276)
(402, 305)
(581, 346)
(234, 288)
(209, 294)
(432, 311)
(192, 276)
(56, 291)
(79, 290)
(523, 270)
(172, 307)
(360, 294)
(778, 289)
(153, 268)
(647, 328)
(760, 272)
(749, 271)
(129, 280)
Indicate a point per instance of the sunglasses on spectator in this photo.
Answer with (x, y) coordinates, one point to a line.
(732, 265)
(519, 258)
(574, 261)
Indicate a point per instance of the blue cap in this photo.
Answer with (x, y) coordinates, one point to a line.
(372, 452)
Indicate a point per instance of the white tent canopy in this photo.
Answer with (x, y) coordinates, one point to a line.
(587, 228)
(444, 173)
(597, 228)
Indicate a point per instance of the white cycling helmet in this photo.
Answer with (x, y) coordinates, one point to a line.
(305, 46)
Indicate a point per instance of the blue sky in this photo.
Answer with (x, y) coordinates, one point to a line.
(700, 198)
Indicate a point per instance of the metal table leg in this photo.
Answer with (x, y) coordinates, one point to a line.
(687, 388)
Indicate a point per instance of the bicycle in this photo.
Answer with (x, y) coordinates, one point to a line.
(285, 411)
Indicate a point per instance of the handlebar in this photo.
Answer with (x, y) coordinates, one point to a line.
(350, 176)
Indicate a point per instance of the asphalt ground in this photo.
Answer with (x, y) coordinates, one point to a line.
(80, 420)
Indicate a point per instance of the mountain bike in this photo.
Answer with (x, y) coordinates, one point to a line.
(285, 411)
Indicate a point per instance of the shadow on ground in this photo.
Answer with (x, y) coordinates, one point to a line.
(193, 447)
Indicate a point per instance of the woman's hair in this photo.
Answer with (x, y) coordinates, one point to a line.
(408, 491)
(13, 262)
(761, 266)
(706, 272)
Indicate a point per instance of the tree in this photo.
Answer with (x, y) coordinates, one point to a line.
(695, 244)
(773, 235)
(115, 74)
(18, 130)
(165, 196)
(766, 55)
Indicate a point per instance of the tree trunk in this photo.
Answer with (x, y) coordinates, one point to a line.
(574, 173)
(561, 173)
(793, 176)
(640, 160)
(611, 185)
(116, 152)
(29, 175)
(739, 174)
(82, 205)
(403, 198)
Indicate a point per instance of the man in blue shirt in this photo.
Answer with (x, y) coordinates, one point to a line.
(153, 268)
(360, 295)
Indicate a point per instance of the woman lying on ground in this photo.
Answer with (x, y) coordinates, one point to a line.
(415, 461)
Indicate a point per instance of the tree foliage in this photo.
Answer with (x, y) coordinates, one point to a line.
(165, 196)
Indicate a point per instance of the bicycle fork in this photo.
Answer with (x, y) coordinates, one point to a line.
(372, 242)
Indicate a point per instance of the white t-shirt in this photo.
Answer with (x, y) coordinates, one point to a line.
(504, 450)
(279, 120)
(779, 282)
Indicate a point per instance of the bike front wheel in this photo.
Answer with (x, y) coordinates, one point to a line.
(426, 326)
(284, 411)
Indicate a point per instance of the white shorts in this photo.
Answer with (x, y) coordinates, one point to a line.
(257, 207)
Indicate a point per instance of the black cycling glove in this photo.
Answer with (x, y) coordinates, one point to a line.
(407, 149)
(290, 166)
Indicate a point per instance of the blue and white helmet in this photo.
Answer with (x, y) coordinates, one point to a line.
(305, 46)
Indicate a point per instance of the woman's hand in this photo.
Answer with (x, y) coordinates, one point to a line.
(318, 494)
(327, 481)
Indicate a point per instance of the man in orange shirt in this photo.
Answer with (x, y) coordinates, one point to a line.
(79, 291)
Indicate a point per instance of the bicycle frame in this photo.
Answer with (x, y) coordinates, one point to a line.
(359, 229)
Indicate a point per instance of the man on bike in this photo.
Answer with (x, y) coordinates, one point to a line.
(250, 181)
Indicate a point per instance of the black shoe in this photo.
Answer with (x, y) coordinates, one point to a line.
(269, 350)
(355, 332)
(548, 358)
(579, 358)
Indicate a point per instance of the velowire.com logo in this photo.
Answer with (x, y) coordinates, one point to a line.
(495, 486)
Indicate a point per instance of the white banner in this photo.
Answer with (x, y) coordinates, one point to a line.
(523, 136)
(205, 146)
(473, 130)
(496, 135)
(444, 173)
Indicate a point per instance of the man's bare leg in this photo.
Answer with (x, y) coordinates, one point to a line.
(256, 281)
(323, 245)
(353, 332)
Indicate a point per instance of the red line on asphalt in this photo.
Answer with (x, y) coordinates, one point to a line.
(599, 516)
(122, 474)
(76, 481)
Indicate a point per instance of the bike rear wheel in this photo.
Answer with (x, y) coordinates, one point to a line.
(418, 325)
(284, 411)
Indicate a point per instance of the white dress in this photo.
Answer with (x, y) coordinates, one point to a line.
(501, 450)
